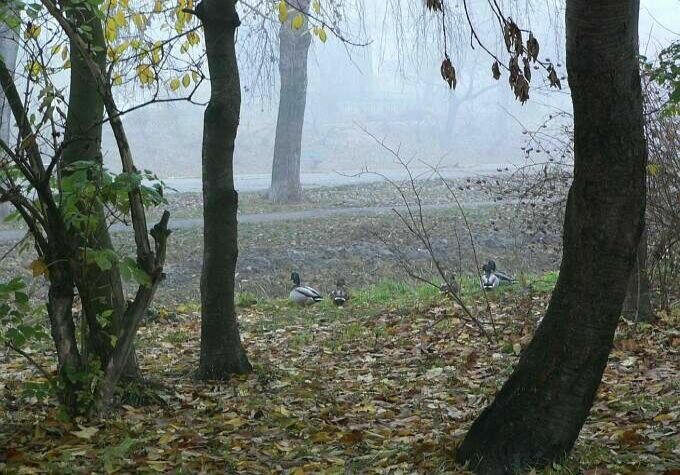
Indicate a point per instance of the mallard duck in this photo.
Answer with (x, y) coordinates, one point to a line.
(340, 296)
(301, 294)
(492, 278)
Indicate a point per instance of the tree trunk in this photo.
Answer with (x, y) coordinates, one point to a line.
(9, 47)
(221, 351)
(100, 290)
(293, 51)
(638, 306)
(538, 414)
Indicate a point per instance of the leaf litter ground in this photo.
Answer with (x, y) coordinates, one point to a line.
(388, 385)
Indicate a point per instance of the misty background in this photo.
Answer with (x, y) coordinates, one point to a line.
(392, 88)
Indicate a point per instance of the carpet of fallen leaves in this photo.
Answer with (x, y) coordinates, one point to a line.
(360, 390)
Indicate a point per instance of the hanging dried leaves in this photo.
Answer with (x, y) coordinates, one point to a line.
(520, 62)
(513, 37)
(527, 68)
(449, 73)
(532, 47)
(521, 89)
(514, 71)
(552, 77)
(434, 5)
(496, 70)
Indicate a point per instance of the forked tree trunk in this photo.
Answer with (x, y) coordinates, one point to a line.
(101, 291)
(9, 47)
(538, 414)
(293, 51)
(221, 351)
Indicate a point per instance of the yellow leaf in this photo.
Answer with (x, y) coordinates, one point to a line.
(186, 80)
(316, 6)
(145, 73)
(195, 76)
(56, 49)
(139, 20)
(322, 35)
(38, 267)
(111, 30)
(193, 38)
(298, 21)
(121, 48)
(85, 432)
(158, 6)
(33, 31)
(283, 11)
(167, 438)
(653, 169)
(174, 84)
(156, 53)
(34, 68)
(120, 19)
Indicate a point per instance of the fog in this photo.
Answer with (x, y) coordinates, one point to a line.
(392, 89)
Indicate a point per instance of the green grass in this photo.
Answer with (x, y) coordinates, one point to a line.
(387, 295)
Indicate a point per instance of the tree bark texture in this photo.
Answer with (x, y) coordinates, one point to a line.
(539, 412)
(293, 50)
(222, 354)
(100, 290)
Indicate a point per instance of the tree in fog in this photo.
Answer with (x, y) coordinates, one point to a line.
(537, 415)
(9, 47)
(294, 41)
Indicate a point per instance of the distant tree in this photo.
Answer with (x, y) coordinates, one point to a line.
(537, 415)
(9, 47)
(222, 353)
(294, 41)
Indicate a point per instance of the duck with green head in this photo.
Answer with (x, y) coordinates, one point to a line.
(302, 294)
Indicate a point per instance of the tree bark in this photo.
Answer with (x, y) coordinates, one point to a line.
(9, 47)
(221, 351)
(100, 290)
(293, 52)
(539, 412)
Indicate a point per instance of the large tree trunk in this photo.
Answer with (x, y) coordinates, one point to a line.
(293, 50)
(221, 351)
(538, 414)
(9, 47)
(101, 291)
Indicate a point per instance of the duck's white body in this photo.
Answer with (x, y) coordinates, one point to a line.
(304, 295)
(490, 281)
(493, 278)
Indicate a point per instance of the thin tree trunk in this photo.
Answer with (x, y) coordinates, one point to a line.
(638, 305)
(221, 351)
(538, 414)
(9, 47)
(293, 52)
(101, 291)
